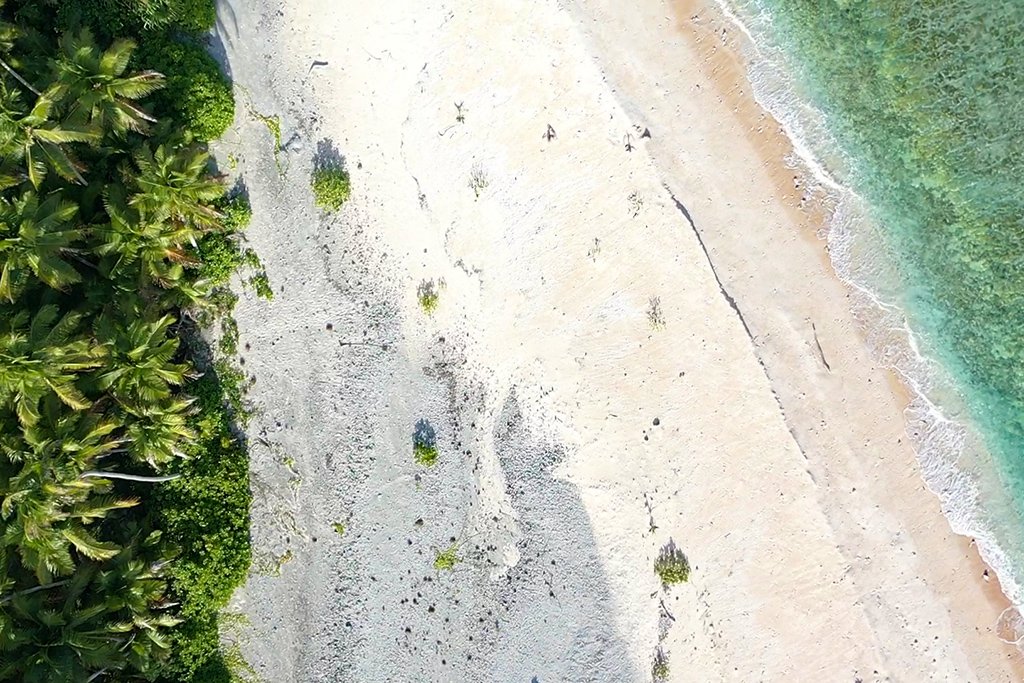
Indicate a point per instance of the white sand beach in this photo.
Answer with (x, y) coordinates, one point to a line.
(639, 341)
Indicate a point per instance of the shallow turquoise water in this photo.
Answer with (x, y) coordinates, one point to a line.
(925, 101)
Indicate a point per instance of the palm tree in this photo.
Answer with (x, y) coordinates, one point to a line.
(140, 250)
(103, 619)
(37, 141)
(9, 33)
(154, 432)
(46, 503)
(173, 183)
(136, 590)
(34, 237)
(40, 356)
(139, 366)
(55, 636)
(92, 88)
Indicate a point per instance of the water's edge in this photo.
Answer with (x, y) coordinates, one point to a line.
(953, 460)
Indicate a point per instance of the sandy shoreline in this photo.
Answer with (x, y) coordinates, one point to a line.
(576, 439)
(699, 19)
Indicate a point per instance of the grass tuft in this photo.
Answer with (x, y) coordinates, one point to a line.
(447, 559)
(424, 454)
(659, 669)
(672, 567)
(478, 181)
(428, 296)
(655, 316)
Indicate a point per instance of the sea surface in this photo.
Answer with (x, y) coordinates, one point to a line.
(909, 115)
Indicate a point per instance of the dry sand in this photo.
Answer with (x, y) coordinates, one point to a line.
(576, 439)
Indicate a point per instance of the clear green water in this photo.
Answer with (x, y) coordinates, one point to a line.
(925, 100)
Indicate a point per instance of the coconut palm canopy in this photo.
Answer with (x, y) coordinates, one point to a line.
(102, 207)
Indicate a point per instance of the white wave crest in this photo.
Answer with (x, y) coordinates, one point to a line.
(953, 461)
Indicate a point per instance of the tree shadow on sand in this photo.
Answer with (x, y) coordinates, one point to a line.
(327, 156)
(424, 434)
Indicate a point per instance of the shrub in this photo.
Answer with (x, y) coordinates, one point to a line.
(331, 187)
(236, 212)
(659, 669)
(428, 296)
(672, 567)
(261, 284)
(192, 15)
(197, 94)
(205, 514)
(447, 559)
(424, 454)
(228, 342)
(219, 256)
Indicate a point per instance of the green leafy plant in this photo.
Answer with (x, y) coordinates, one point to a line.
(446, 559)
(115, 17)
(228, 342)
(672, 567)
(428, 296)
(425, 454)
(261, 283)
(659, 669)
(339, 528)
(219, 257)
(331, 187)
(236, 212)
(197, 93)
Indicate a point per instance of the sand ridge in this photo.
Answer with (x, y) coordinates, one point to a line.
(544, 375)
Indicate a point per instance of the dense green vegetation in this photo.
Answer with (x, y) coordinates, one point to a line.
(925, 98)
(445, 560)
(424, 454)
(671, 566)
(331, 187)
(124, 496)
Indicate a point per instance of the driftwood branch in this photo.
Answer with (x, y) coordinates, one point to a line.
(821, 353)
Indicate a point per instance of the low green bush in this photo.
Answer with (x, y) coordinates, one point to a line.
(672, 567)
(192, 15)
(260, 283)
(236, 212)
(220, 257)
(331, 188)
(205, 515)
(197, 94)
(447, 558)
(424, 454)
